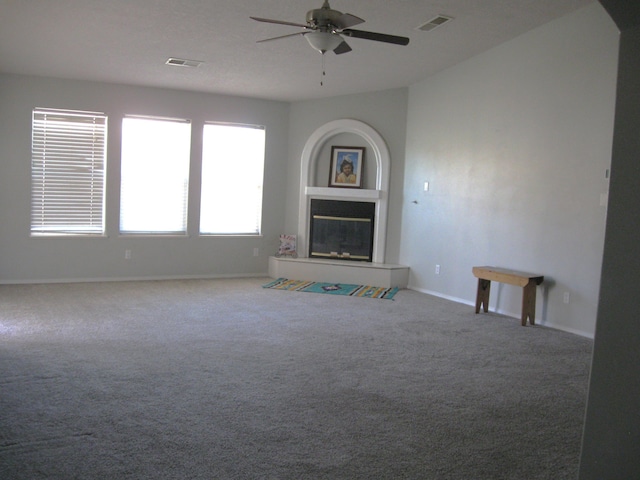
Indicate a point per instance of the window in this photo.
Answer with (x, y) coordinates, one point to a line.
(232, 175)
(154, 175)
(68, 154)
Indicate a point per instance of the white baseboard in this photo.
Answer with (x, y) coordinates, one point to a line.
(134, 279)
(441, 295)
(540, 322)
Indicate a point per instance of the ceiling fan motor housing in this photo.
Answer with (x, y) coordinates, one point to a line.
(324, 17)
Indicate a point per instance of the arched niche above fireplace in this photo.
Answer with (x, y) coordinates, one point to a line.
(320, 175)
(377, 155)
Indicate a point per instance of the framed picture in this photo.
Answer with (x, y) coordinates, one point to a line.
(287, 246)
(346, 167)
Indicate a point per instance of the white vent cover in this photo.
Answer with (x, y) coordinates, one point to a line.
(434, 23)
(181, 62)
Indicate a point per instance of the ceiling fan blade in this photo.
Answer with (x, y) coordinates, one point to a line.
(282, 36)
(280, 22)
(378, 37)
(342, 48)
(347, 20)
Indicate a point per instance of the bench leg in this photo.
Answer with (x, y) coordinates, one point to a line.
(529, 303)
(482, 297)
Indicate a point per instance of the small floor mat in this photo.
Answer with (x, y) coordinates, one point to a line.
(367, 291)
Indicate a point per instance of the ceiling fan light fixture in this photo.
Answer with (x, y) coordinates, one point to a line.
(323, 41)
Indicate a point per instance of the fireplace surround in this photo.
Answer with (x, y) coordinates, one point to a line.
(374, 272)
(378, 159)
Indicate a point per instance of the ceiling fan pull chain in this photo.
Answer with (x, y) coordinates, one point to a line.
(323, 72)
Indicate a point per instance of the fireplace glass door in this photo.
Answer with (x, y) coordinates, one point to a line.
(342, 230)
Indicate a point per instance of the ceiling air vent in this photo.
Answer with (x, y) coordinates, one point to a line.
(181, 62)
(434, 23)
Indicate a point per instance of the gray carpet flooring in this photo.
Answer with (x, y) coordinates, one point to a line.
(222, 379)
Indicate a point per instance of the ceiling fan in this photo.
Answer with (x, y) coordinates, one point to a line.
(325, 27)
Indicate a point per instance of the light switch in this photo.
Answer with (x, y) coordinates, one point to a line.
(604, 199)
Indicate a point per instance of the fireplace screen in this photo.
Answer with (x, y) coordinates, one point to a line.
(342, 230)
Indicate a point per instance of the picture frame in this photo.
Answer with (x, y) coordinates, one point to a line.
(347, 165)
(287, 246)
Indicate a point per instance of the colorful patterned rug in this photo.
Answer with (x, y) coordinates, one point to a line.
(333, 288)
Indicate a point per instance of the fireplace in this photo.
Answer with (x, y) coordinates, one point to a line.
(341, 230)
(376, 193)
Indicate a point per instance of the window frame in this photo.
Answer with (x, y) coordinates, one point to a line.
(68, 173)
(182, 231)
(260, 187)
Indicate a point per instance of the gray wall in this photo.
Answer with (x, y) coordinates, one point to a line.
(515, 144)
(25, 259)
(612, 426)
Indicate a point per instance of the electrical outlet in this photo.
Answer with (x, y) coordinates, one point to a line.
(437, 269)
(127, 254)
(566, 297)
(256, 252)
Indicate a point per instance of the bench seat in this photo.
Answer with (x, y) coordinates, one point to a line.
(528, 282)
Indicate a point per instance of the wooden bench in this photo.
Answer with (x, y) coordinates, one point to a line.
(528, 281)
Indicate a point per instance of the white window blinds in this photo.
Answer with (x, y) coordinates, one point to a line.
(154, 183)
(232, 177)
(68, 172)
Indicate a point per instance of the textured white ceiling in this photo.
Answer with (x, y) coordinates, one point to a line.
(128, 41)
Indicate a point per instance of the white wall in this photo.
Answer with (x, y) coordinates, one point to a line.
(24, 259)
(385, 112)
(515, 144)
